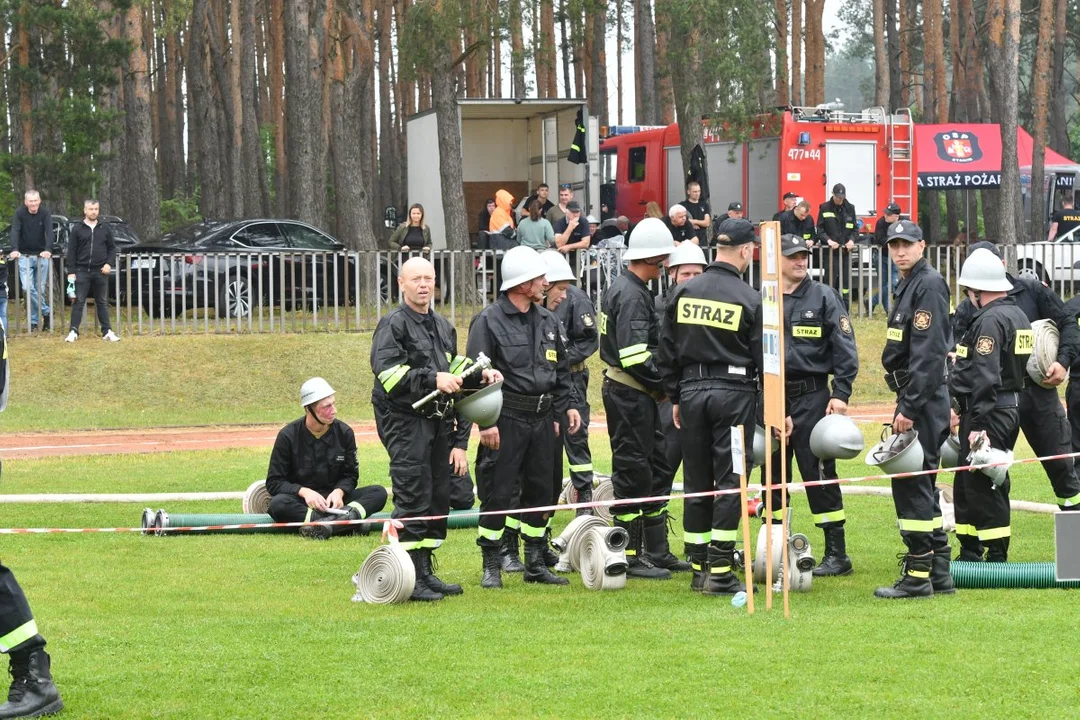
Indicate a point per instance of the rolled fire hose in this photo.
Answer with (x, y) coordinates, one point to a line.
(1044, 354)
(603, 558)
(602, 490)
(974, 575)
(387, 576)
(568, 543)
(459, 520)
(256, 498)
(798, 560)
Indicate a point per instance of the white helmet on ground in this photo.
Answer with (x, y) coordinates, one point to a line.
(558, 269)
(314, 390)
(520, 265)
(687, 254)
(983, 271)
(651, 238)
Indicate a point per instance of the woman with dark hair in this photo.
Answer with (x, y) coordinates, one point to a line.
(535, 231)
(484, 219)
(412, 236)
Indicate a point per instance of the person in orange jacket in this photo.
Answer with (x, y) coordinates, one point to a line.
(502, 217)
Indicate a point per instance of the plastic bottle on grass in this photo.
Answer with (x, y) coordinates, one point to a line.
(738, 600)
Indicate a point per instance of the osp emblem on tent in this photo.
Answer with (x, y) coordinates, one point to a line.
(958, 147)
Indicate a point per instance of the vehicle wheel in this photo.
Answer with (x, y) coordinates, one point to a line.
(1032, 270)
(234, 298)
(388, 281)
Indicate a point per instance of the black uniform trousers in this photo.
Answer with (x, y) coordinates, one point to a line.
(982, 512)
(87, 282)
(665, 473)
(1072, 399)
(292, 508)
(637, 448)
(836, 268)
(708, 409)
(18, 631)
(1047, 431)
(918, 511)
(419, 452)
(826, 502)
(577, 445)
(518, 474)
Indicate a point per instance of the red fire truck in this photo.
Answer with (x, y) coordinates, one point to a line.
(804, 150)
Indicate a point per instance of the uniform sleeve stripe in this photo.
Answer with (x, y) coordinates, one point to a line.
(633, 350)
(390, 382)
(636, 359)
(388, 373)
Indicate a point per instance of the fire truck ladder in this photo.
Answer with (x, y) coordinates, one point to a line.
(901, 136)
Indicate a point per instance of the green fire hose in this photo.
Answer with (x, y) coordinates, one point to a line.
(974, 575)
(162, 521)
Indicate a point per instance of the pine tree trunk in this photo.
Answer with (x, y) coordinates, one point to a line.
(620, 22)
(144, 210)
(496, 50)
(664, 91)
(256, 195)
(892, 43)
(952, 197)
(389, 165)
(1040, 131)
(598, 98)
(783, 80)
(906, 12)
(304, 38)
(881, 57)
(815, 52)
(796, 52)
(933, 73)
(277, 105)
(1003, 22)
(26, 103)
(173, 168)
(1059, 129)
(546, 51)
(517, 52)
(647, 82)
(112, 192)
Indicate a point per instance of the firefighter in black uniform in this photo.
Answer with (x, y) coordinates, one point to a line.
(799, 222)
(686, 262)
(917, 343)
(985, 383)
(818, 341)
(629, 333)
(1072, 391)
(837, 231)
(32, 692)
(710, 357)
(1042, 418)
(575, 311)
(413, 352)
(524, 341)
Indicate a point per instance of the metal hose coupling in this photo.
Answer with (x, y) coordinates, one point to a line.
(386, 577)
(602, 490)
(603, 558)
(793, 557)
(568, 543)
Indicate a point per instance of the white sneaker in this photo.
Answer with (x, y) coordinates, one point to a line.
(72, 336)
(110, 337)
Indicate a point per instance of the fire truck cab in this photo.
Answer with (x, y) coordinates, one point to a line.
(804, 150)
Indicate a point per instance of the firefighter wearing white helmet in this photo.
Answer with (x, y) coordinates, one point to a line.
(629, 334)
(986, 381)
(819, 342)
(686, 262)
(525, 342)
(575, 311)
(313, 469)
(709, 361)
(1042, 418)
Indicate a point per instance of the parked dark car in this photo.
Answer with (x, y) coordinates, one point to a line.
(235, 265)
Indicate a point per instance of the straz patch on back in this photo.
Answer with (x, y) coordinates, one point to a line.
(720, 315)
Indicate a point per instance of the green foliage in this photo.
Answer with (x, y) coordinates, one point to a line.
(179, 211)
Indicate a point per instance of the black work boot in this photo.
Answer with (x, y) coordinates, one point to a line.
(492, 567)
(428, 561)
(655, 532)
(584, 496)
(940, 577)
(721, 579)
(971, 548)
(699, 564)
(914, 579)
(638, 564)
(835, 561)
(997, 550)
(318, 532)
(551, 558)
(421, 590)
(32, 692)
(536, 571)
(509, 557)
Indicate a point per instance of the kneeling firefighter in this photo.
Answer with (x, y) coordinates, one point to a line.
(986, 382)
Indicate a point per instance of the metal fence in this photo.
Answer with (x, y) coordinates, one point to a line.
(350, 291)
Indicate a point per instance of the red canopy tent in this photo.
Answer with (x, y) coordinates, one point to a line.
(968, 155)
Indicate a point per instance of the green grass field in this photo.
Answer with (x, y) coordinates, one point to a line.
(262, 626)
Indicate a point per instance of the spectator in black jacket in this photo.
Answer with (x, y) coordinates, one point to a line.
(799, 222)
(90, 259)
(32, 246)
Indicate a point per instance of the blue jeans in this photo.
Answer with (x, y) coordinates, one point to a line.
(34, 277)
(3, 307)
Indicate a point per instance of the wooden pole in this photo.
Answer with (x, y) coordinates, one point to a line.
(748, 570)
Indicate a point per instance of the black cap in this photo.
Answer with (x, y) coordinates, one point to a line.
(737, 231)
(984, 245)
(792, 245)
(735, 205)
(573, 206)
(904, 230)
(839, 189)
(790, 194)
(892, 209)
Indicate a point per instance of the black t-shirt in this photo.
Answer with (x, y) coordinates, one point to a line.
(414, 238)
(547, 205)
(681, 233)
(581, 232)
(698, 210)
(1067, 219)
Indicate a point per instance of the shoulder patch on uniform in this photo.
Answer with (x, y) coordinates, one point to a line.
(550, 335)
(922, 320)
(586, 320)
(845, 324)
(984, 345)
